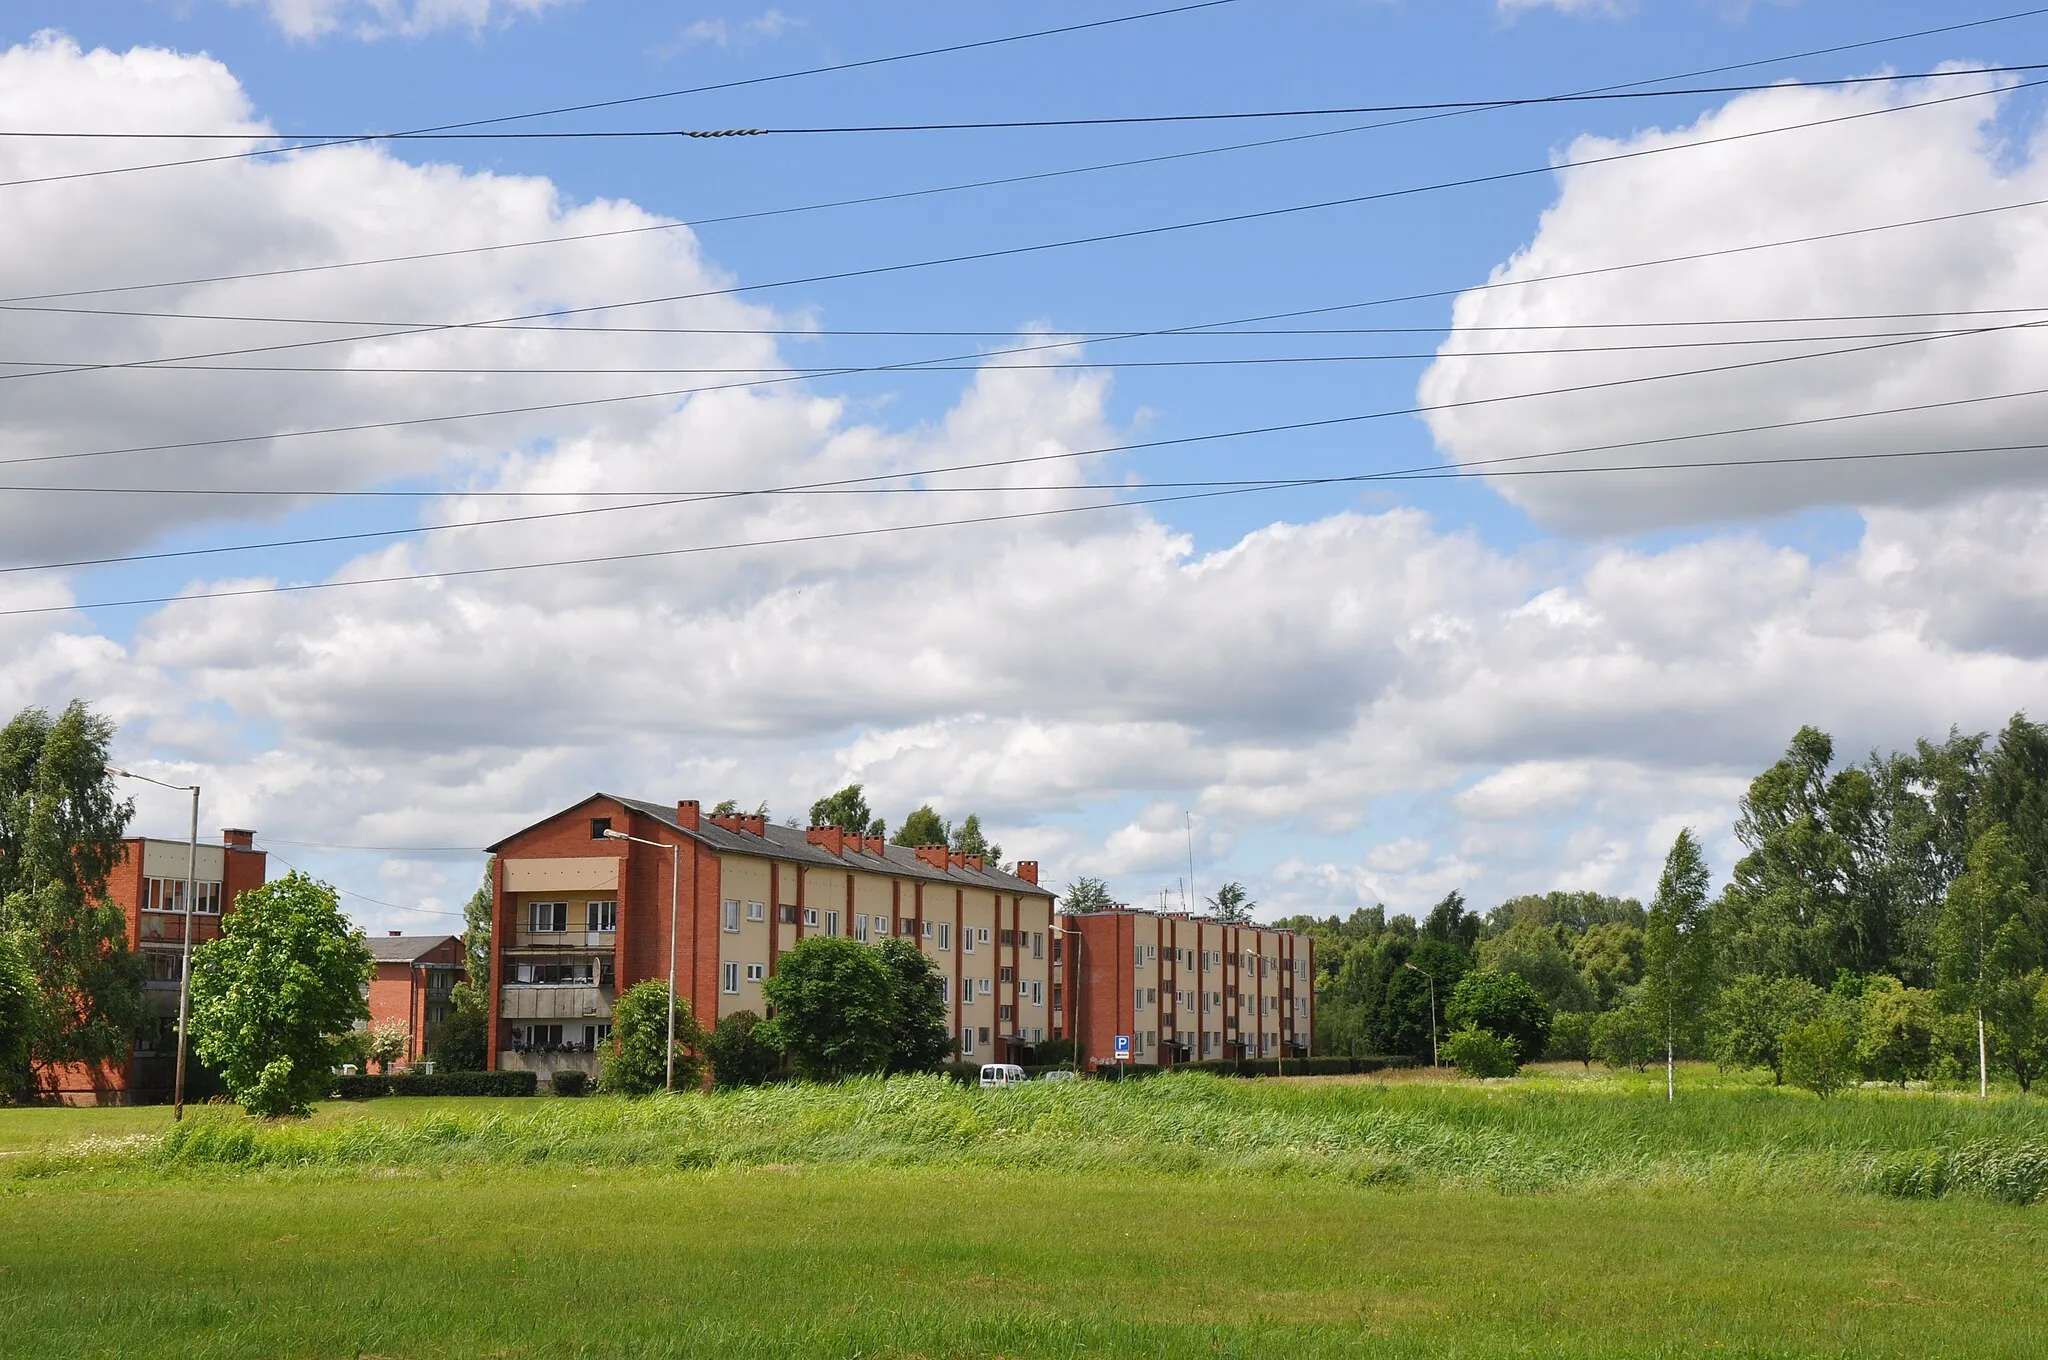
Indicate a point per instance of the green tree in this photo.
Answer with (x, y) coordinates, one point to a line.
(924, 1031)
(1404, 1022)
(277, 994)
(969, 840)
(1481, 1053)
(1609, 956)
(848, 810)
(2013, 791)
(636, 1061)
(461, 1042)
(476, 930)
(1820, 1053)
(61, 828)
(1895, 1031)
(1677, 952)
(1232, 903)
(924, 827)
(740, 1053)
(835, 1009)
(1534, 953)
(1986, 936)
(1571, 1037)
(1748, 1021)
(1086, 894)
(18, 1008)
(1626, 1036)
(1505, 1006)
(2019, 1019)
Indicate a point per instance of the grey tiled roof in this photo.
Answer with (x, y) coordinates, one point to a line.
(405, 948)
(788, 843)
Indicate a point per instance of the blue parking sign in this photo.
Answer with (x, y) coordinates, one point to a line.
(1123, 1048)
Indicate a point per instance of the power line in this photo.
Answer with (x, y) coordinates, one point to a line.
(1026, 124)
(350, 892)
(1007, 180)
(1061, 342)
(1490, 285)
(647, 98)
(967, 521)
(872, 271)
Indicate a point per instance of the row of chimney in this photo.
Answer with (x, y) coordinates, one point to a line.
(835, 841)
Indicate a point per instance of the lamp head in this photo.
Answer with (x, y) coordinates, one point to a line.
(612, 835)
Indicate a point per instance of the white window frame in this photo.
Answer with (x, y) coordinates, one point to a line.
(982, 931)
(1037, 944)
(860, 928)
(757, 972)
(967, 939)
(945, 935)
(730, 915)
(967, 1040)
(556, 911)
(810, 918)
(757, 911)
(729, 979)
(602, 915)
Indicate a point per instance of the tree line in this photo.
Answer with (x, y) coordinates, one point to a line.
(1887, 920)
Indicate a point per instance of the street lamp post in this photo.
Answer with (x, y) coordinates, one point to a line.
(675, 880)
(1434, 1060)
(185, 945)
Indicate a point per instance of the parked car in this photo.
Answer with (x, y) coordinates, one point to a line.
(1060, 1074)
(1001, 1074)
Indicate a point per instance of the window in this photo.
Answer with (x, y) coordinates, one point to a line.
(1152, 995)
(831, 923)
(882, 927)
(598, 826)
(967, 990)
(927, 930)
(556, 974)
(163, 965)
(547, 918)
(729, 982)
(786, 914)
(907, 928)
(967, 1039)
(1007, 939)
(811, 918)
(1137, 998)
(1056, 991)
(168, 894)
(1137, 960)
(1151, 1039)
(757, 972)
(1152, 951)
(1038, 993)
(1005, 1014)
(593, 1035)
(732, 913)
(1007, 974)
(946, 990)
(945, 934)
(983, 933)
(983, 1031)
(532, 1038)
(757, 911)
(1037, 944)
(967, 939)
(602, 915)
(1057, 951)
(860, 928)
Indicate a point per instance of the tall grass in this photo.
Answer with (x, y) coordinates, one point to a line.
(1514, 1137)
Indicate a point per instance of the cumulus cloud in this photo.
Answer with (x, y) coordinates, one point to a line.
(727, 33)
(1366, 706)
(1936, 160)
(383, 18)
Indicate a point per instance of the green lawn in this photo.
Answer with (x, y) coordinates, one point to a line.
(1553, 1215)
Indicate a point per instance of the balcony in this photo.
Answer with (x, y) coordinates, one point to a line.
(554, 1001)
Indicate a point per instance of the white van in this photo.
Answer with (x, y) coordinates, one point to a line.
(1001, 1074)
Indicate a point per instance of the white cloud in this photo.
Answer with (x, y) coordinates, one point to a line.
(725, 33)
(1502, 719)
(371, 19)
(1935, 160)
(1612, 8)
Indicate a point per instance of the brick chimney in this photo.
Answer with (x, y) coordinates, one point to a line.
(972, 861)
(397, 933)
(688, 812)
(934, 855)
(830, 837)
(754, 824)
(237, 838)
(956, 859)
(876, 845)
(1027, 869)
(730, 821)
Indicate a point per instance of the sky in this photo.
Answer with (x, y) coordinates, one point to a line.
(1439, 494)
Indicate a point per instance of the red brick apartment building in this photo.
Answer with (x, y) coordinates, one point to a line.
(148, 884)
(1188, 989)
(411, 985)
(577, 916)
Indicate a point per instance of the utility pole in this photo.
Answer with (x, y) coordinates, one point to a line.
(1434, 1059)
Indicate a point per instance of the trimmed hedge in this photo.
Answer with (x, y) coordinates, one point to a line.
(570, 1081)
(440, 1084)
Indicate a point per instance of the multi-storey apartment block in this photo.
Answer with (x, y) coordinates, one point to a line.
(1185, 988)
(578, 915)
(148, 884)
(412, 985)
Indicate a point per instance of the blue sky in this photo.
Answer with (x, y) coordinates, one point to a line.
(1325, 676)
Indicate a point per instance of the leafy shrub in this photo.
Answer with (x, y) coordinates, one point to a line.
(569, 1081)
(1571, 1037)
(1749, 1020)
(836, 1008)
(439, 1084)
(636, 1061)
(1481, 1053)
(1895, 1032)
(1625, 1038)
(1054, 1053)
(461, 1042)
(1820, 1054)
(1505, 1006)
(740, 1054)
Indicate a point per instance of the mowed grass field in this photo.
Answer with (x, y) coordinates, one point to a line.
(1544, 1216)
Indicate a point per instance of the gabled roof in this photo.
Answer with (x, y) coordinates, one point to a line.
(790, 845)
(406, 948)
